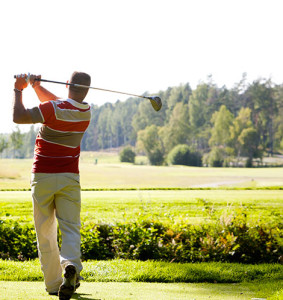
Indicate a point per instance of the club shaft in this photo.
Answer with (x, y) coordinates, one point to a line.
(155, 101)
(90, 87)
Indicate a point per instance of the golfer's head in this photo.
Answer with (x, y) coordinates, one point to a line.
(78, 93)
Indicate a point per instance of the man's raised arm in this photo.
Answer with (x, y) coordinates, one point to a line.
(20, 114)
(42, 93)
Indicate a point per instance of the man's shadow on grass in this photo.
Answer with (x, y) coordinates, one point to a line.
(80, 296)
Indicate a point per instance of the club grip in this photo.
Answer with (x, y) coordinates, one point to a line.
(15, 76)
(27, 80)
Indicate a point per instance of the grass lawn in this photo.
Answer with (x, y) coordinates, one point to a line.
(112, 174)
(150, 280)
(140, 291)
(119, 270)
(192, 206)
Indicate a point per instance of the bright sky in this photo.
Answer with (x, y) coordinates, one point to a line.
(137, 46)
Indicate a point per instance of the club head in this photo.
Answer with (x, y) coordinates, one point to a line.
(155, 102)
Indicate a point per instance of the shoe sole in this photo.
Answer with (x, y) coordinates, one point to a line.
(68, 288)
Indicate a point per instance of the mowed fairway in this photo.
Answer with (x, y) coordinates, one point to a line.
(133, 291)
(15, 174)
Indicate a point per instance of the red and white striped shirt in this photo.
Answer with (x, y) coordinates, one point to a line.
(57, 145)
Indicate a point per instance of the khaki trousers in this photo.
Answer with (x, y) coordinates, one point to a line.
(57, 196)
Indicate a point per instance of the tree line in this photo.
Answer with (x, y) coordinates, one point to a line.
(221, 124)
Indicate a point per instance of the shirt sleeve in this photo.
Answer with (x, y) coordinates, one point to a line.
(47, 111)
(36, 115)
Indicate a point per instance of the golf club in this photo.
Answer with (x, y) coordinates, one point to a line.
(154, 100)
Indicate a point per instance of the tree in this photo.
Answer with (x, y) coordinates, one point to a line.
(204, 101)
(241, 122)
(3, 144)
(104, 127)
(220, 136)
(146, 116)
(197, 106)
(122, 128)
(90, 138)
(216, 157)
(263, 105)
(222, 121)
(180, 94)
(16, 140)
(149, 141)
(28, 142)
(249, 140)
(278, 120)
(186, 118)
(178, 130)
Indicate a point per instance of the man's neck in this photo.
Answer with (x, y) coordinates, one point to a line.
(76, 98)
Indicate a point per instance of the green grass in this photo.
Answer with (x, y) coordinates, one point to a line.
(150, 271)
(192, 206)
(142, 280)
(143, 291)
(109, 173)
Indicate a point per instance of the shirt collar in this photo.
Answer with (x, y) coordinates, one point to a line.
(83, 105)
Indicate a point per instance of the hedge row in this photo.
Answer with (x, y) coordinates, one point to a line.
(229, 240)
(275, 188)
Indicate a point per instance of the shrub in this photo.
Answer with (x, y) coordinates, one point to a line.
(96, 242)
(149, 141)
(127, 155)
(231, 239)
(184, 155)
(17, 241)
(216, 157)
(156, 157)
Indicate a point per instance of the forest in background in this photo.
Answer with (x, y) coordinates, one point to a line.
(221, 125)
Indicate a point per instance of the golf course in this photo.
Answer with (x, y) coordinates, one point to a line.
(141, 219)
(141, 150)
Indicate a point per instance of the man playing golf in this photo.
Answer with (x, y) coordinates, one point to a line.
(55, 181)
